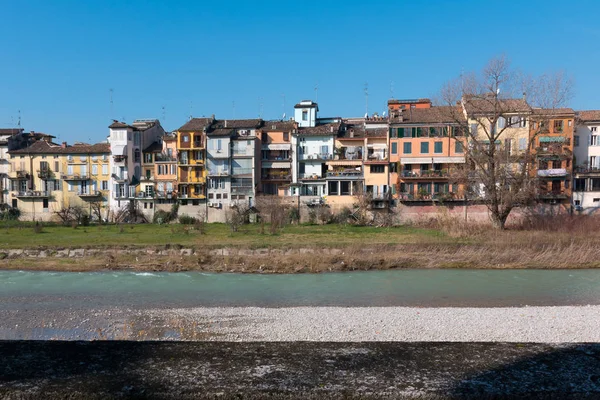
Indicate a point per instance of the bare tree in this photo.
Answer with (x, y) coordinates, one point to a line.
(236, 216)
(96, 210)
(493, 111)
(273, 210)
(362, 205)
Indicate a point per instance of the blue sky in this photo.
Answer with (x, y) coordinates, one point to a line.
(61, 58)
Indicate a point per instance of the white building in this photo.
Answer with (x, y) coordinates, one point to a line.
(5, 134)
(126, 144)
(586, 159)
(305, 113)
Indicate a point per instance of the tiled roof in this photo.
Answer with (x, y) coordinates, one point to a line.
(588, 115)
(155, 147)
(237, 123)
(549, 112)
(307, 104)
(116, 125)
(10, 131)
(43, 147)
(196, 124)
(278, 126)
(138, 125)
(320, 130)
(220, 132)
(437, 115)
(486, 104)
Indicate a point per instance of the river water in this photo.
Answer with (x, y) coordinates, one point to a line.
(425, 288)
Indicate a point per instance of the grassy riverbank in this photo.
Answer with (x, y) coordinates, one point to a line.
(304, 248)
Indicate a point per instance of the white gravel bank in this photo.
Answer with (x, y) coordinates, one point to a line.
(337, 324)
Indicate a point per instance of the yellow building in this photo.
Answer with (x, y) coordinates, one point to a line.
(47, 177)
(191, 171)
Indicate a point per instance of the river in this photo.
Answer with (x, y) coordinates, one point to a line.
(410, 287)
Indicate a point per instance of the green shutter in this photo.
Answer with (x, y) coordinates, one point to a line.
(400, 132)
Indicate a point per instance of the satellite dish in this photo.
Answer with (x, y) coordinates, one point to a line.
(383, 114)
(366, 115)
(283, 116)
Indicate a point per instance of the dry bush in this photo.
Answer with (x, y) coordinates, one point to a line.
(272, 209)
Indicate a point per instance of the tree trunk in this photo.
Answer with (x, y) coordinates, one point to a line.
(498, 220)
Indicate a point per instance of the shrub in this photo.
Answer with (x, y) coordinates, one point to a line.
(11, 214)
(161, 217)
(187, 220)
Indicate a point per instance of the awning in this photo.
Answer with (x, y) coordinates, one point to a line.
(276, 164)
(416, 160)
(119, 150)
(277, 146)
(448, 160)
(345, 162)
(552, 139)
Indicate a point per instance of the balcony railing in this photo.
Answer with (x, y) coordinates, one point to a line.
(218, 172)
(89, 193)
(147, 178)
(424, 174)
(310, 176)
(193, 179)
(345, 174)
(438, 196)
(315, 156)
(118, 158)
(277, 177)
(554, 172)
(241, 171)
(20, 174)
(587, 170)
(75, 177)
(242, 190)
(164, 158)
(552, 194)
(45, 174)
(33, 194)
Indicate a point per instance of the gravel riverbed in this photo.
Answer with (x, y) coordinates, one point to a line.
(336, 324)
(574, 324)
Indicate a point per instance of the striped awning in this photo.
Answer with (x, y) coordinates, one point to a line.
(552, 139)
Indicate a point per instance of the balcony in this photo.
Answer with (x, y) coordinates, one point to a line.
(315, 157)
(438, 196)
(45, 174)
(553, 149)
(277, 177)
(192, 179)
(552, 195)
(189, 161)
(89, 194)
(19, 175)
(587, 170)
(117, 158)
(243, 152)
(144, 195)
(420, 174)
(552, 173)
(120, 177)
(164, 158)
(33, 194)
(165, 195)
(345, 175)
(147, 178)
(310, 177)
(75, 177)
(241, 171)
(219, 172)
(245, 190)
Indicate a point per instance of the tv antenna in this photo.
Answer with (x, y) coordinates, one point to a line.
(391, 89)
(367, 99)
(260, 107)
(317, 92)
(110, 91)
(164, 112)
(283, 105)
(191, 109)
(19, 119)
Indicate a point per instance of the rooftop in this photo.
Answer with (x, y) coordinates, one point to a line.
(196, 124)
(488, 104)
(278, 126)
(588, 115)
(320, 130)
(44, 147)
(433, 115)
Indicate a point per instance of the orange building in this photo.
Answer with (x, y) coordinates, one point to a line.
(426, 146)
(551, 135)
(165, 170)
(191, 172)
(276, 157)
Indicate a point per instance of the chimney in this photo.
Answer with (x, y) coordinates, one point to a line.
(351, 133)
(64, 145)
(331, 129)
(225, 123)
(212, 117)
(524, 96)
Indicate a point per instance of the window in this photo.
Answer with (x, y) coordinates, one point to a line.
(593, 162)
(437, 147)
(458, 147)
(105, 169)
(501, 122)
(82, 158)
(304, 115)
(570, 122)
(94, 157)
(576, 140)
(508, 145)
(333, 188)
(83, 170)
(94, 169)
(594, 140)
(286, 136)
(377, 169)
(69, 170)
(147, 157)
(104, 185)
(137, 155)
(558, 126)
(407, 148)
(393, 167)
(474, 129)
(185, 138)
(56, 166)
(424, 147)
(394, 148)
(393, 133)
(594, 128)
(522, 143)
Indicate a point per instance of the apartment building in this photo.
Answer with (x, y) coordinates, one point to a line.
(586, 160)
(551, 137)
(426, 146)
(233, 151)
(276, 157)
(47, 177)
(191, 171)
(126, 145)
(5, 135)
(165, 170)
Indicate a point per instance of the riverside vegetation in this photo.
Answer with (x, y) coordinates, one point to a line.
(443, 242)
